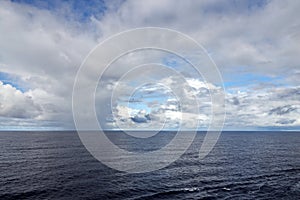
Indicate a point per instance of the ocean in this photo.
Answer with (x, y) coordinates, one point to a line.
(242, 165)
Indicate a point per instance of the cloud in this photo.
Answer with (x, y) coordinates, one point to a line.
(286, 121)
(43, 44)
(156, 105)
(260, 36)
(16, 104)
(282, 110)
(44, 51)
(274, 107)
(33, 108)
(141, 118)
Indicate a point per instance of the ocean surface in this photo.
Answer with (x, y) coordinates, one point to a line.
(242, 165)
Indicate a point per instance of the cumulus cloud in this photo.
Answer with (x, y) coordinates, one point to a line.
(160, 104)
(16, 104)
(33, 108)
(44, 51)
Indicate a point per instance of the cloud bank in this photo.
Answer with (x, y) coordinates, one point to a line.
(254, 44)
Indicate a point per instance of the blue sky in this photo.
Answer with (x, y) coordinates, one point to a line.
(253, 43)
(14, 81)
(81, 10)
(249, 79)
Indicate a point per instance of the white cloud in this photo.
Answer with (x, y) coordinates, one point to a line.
(262, 37)
(278, 107)
(16, 104)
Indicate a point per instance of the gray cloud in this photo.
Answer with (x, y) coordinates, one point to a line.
(141, 118)
(286, 121)
(282, 110)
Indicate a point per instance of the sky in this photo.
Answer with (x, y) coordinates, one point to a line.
(255, 45)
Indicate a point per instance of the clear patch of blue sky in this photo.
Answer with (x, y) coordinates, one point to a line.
(148, 101)
(13, 80)
(145, 99)
(249, 79)
(82, 10)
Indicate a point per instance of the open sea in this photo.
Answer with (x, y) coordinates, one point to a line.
(242, 165)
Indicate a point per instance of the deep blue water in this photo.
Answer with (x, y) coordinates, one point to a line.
(243, 165)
